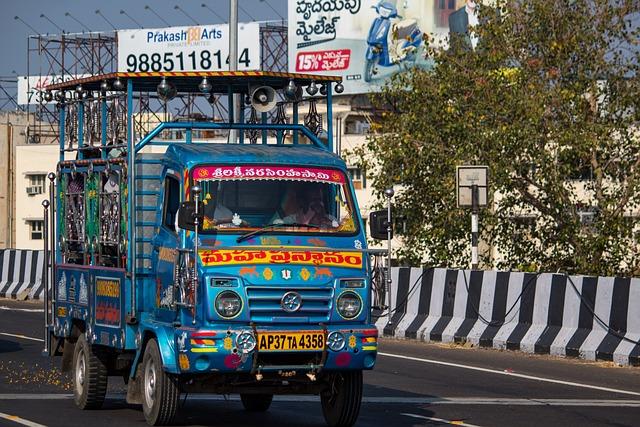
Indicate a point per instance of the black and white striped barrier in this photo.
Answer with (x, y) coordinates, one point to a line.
(587, 317)
(21, 272)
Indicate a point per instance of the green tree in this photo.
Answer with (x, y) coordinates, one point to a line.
(549, 100)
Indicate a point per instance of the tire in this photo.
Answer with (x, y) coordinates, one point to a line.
(256, 402)
(368, 70)
(160, 391)
(89, 375)
(341, 401)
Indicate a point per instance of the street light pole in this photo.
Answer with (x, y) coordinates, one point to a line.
(389, 194)
(217, 15)
(164, 21)
(84, 27)
(124, 12)
(113, 27)
(233, 61)
(176, 7)
(42, 15)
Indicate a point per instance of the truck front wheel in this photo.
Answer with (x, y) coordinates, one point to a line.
(256, 402)
(160, 390)
(341, 401)
(89, 375)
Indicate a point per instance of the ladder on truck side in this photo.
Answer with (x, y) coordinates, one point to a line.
(148, 187)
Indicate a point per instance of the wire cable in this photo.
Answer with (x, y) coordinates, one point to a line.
(598, 318)
(575, 289)
(411, 291)
(499, 322)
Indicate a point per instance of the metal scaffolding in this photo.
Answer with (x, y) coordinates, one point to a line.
(72, 55)
(65, 56)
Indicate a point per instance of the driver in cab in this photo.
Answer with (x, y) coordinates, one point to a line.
(311, 209)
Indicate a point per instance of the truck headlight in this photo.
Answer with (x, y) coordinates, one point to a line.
(349, 305)
(228, 304)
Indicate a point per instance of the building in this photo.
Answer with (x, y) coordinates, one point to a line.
(33, 162)
(15, 132)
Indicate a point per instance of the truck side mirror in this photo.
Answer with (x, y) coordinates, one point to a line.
(187, 215)
(378, 225)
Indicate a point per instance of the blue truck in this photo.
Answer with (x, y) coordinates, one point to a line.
(213, 256)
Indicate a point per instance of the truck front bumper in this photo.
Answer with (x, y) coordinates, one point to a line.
(242, 349)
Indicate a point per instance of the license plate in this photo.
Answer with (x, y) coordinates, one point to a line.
(290, 341)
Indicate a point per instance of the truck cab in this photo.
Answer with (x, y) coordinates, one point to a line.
(186, 262)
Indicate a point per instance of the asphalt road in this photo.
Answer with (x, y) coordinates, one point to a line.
(413, 384)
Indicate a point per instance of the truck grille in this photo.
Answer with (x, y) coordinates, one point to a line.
(264, 304)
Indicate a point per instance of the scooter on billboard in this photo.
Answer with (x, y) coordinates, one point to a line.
(391, 43)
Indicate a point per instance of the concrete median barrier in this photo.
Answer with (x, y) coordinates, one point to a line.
(593, 318)
(21, 273)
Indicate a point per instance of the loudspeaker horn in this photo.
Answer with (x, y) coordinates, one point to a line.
(263, 98)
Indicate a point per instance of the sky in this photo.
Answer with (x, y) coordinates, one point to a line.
(13, 33)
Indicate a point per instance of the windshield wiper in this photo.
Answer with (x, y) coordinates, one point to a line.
(271, 227)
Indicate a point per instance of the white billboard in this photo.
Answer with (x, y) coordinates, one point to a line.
(367, 41)
(31, 88)
(197, 48)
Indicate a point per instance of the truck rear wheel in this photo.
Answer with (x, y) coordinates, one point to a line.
(341, 401)
(256, 402)
(89, 376)
(160, 391)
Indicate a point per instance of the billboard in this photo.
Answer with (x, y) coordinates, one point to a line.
(196, 48)
(31, 88)
(367, 41)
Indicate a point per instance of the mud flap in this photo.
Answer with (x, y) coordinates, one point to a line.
(134, 389)
(67, 356)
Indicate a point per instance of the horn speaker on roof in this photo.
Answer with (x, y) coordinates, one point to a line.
(263, 98)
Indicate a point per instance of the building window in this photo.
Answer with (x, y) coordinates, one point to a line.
(356, 125)
(36, 229)
(36, 184)
(358, 178)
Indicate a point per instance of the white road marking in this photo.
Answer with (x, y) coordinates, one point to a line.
(29, 310)
(375, 400)
(440, 420)
(19, 420)
(511, 374)
(33, 396)
(21, 336)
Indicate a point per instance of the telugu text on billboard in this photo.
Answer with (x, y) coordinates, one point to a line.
(197, 48)
(367, 41)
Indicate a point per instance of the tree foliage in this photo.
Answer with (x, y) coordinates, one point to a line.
(549, 100)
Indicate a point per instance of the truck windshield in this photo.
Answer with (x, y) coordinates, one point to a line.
(242, 199)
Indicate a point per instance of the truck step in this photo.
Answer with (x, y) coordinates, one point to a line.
(147, 161)
(145, 224)
(146, 208)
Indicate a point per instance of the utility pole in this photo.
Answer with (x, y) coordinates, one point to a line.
(472, 187)
(233, 63)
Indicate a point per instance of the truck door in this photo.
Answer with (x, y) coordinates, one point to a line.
(165, 245)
